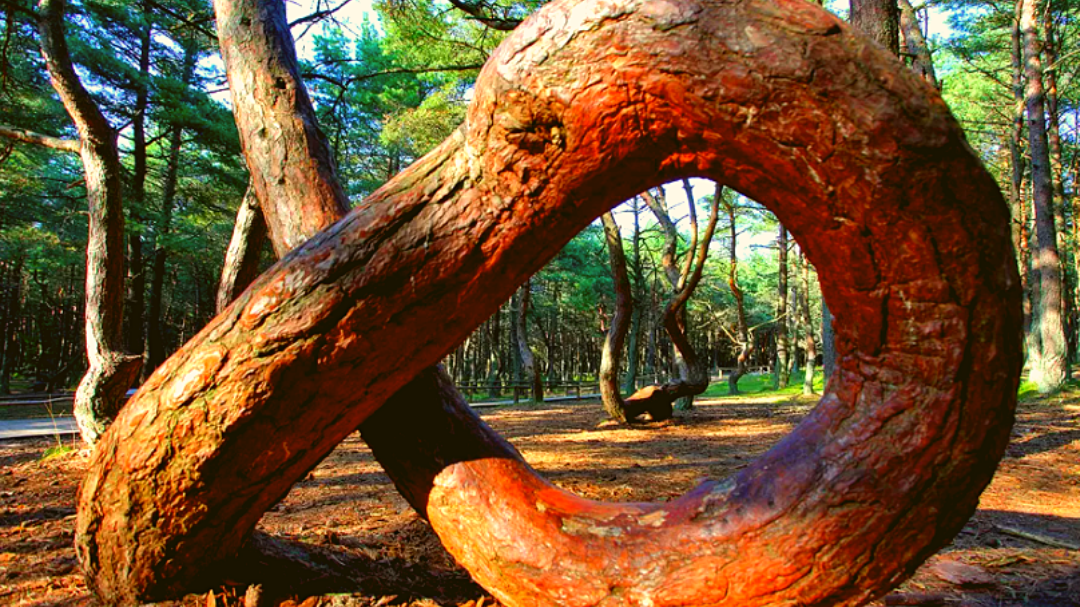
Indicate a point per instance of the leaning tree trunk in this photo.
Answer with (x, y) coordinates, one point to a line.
(1050, 351)
(915, 44)
(111, 372)
(882, 473)
(611, 354)
(244, 252)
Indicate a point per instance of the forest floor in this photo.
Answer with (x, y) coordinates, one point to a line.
(348, 505)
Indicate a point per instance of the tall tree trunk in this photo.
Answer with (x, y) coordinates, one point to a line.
(530, 374)
(620, 322)
(633, 355)
(223, 429)
(111, 371)
(155, 339)
(743, 343)
(879, 20)
(692, 377)
(915, 46)
(808, 327)
(1057, 173)
(11, 293)
(136, 272)
(828, 345)
(784, 350)
(1049, 358)
(1017, 200)
(245, 249)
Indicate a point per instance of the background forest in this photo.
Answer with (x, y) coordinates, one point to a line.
(389, 88)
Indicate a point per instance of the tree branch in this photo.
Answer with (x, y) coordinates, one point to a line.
(476, 11)
(55, 143)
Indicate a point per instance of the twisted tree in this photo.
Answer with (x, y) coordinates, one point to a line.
(777, 100)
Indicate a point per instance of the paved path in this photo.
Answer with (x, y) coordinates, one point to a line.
(27, 428)
(64, 425)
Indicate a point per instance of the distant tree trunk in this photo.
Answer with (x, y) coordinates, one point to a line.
(1050, 353)
(808, 327)
(879, 20)
(915, 46)
(1057, 172)
(783, 318)
(245, 249)
(828, 345)
(155, 339)
(620, 322)
(530, 374)
(11, 294)
(633, 355)
(693, 378)
(1017, 200)
(111, 371)
(743, 342)
(135, 303)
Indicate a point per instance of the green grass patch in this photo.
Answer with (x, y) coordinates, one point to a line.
(761, 384)
(56, 451)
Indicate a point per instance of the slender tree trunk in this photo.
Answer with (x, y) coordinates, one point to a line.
(915, 46)
(633, 355)
(828, 345)
(1049, 358)
(1057, 173)
(620, 323)
(11, 286)
(743, 343)
(155, 339)
(783, 318)
(111, 371)
(136, 272)
(529, 372)
(245, 249)
(808, 327)
(1017, 200)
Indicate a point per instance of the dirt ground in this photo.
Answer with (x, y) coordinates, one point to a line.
(348, 506)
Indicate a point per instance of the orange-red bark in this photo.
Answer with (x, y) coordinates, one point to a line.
(587, 104)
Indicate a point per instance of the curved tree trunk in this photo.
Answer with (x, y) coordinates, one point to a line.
(111, 371)
(882, 473)
(620, 323)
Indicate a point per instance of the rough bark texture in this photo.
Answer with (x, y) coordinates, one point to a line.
(611, 355)
(570, 117)
(245, 248)
(828, 342)
(277, 122)
(879, 20)
(915, 46)
(111, 372)
(1050, 349)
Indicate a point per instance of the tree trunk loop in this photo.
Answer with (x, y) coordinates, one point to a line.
(588, 103)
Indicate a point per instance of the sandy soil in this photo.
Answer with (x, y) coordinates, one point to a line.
(348, 505)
